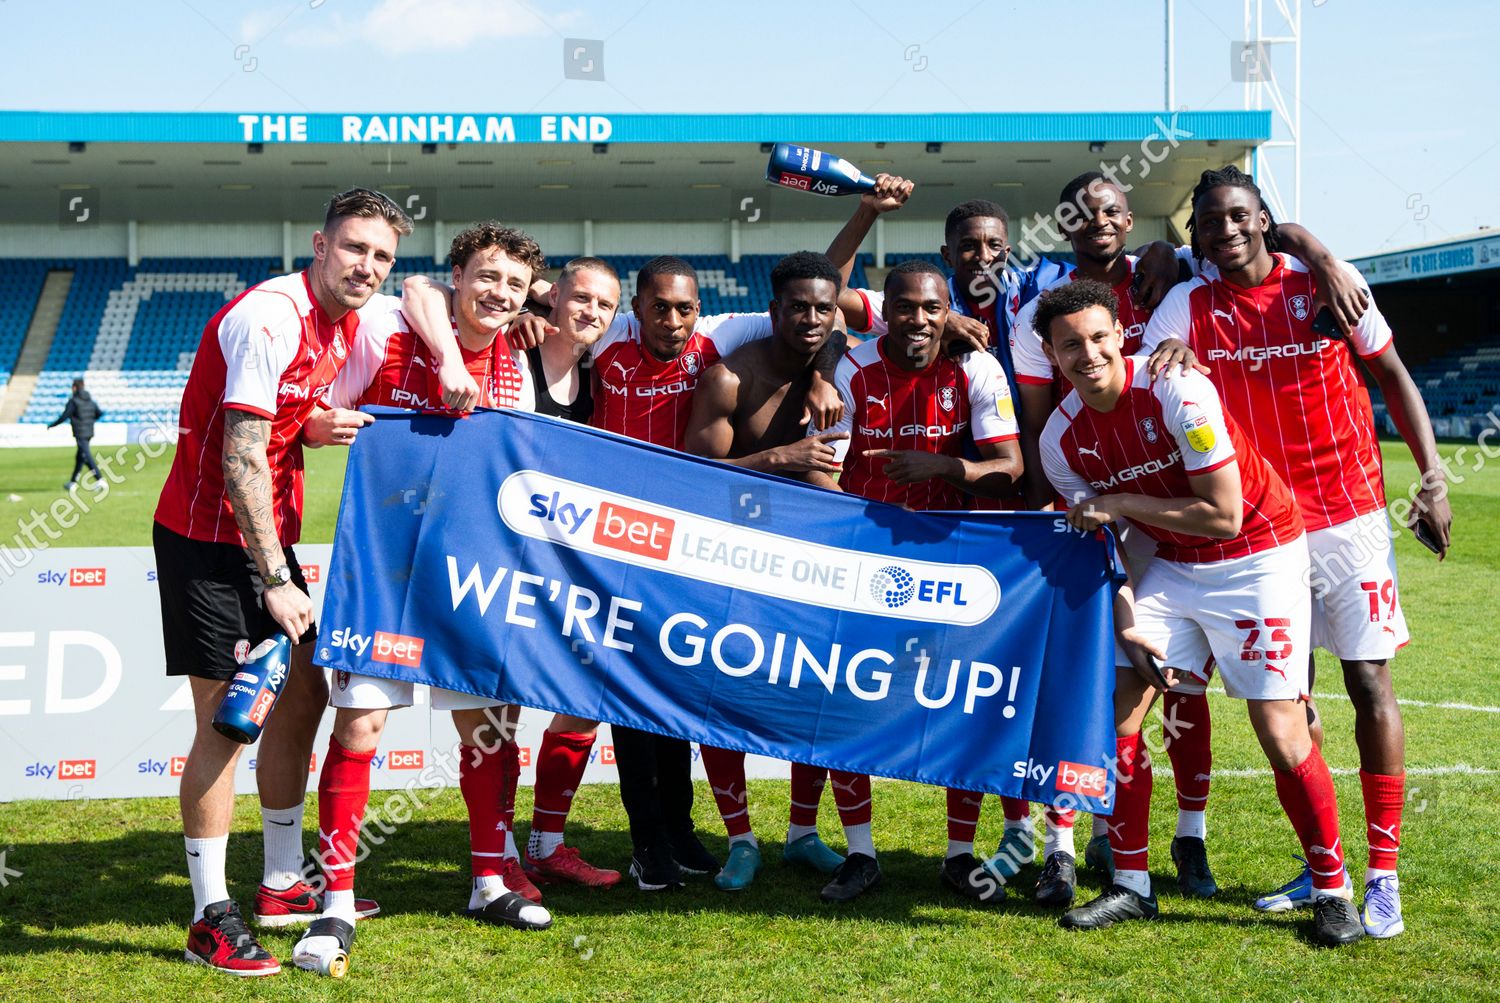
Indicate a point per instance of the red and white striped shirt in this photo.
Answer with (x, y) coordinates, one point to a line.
(1157, 435)
(391, 366)
(644, 398)
(271, 351)
(887, 407)
(1030, 359)
(1295, 392)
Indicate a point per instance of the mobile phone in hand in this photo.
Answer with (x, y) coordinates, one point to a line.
(1427, 538)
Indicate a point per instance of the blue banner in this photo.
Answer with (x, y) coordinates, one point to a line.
(564, 568)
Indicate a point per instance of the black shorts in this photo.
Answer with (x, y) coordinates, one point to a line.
(211, 613)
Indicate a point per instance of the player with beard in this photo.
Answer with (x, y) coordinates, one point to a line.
(748, 411)
(228, 517)
(902, 380)
(1295, 386)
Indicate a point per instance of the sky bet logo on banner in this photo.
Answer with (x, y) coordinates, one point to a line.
(568, 569)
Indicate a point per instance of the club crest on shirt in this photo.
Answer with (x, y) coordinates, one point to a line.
(1299, 307)
(948, 398)
(339, 351)
(1148, 429)
(691, 363)
(1199, 432)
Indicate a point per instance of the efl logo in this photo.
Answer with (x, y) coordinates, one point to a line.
(1090, 781)
(633, 532)
(80, 577)
(312, 573)
(404, 759)
(397, 649)
(177, 765)
(75, 769)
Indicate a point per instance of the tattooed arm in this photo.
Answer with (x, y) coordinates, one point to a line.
(247, 483)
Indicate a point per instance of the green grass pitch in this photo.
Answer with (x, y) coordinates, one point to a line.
(97, 910)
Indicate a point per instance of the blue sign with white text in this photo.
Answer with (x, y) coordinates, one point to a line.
(564, 568)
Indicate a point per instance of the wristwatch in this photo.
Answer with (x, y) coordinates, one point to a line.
(277, 578)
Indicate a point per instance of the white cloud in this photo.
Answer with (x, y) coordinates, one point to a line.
(404, 27)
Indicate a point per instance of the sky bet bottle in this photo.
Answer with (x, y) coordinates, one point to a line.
(810, 170)
(254, 689)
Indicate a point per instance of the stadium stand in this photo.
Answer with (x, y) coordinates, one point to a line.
(133, 331)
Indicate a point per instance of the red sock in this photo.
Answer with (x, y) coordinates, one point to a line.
(559, 771)
(851, 792)
(1385, 796)
(481, 778)
(1188, 736)
(1306, 794)
(1015, 809)
(510, 776)
(963, 814)
(726, 778)
(343, 792)
(807, 791)
(1063, 818)
(1129, 827)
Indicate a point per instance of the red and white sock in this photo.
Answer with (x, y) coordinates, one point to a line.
(1060, 822)
(963, 820)
(1129, 827)
(559, 770)
(806, 792)
(481, 777)
(1385, 796)
(510, 777)
(726, 778)
(851, 792)
(1188, 736)
(1306, 793)
(343, 793)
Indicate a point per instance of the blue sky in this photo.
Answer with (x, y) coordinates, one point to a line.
(1400, 119)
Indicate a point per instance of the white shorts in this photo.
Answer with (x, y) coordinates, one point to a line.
(357, 692)
(1356, 604)
(1250, 615)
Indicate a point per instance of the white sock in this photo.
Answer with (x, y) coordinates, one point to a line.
(1137, 881)
(282, 835)
(1372, 873)
(957, 848)
(205, 860)
(796, 832)
(539, 845)
(487, 889)
(340, 905)
(1192, 823)
(510, 846)
(1101, 827)
(745, 837)
(1059, 839)
(1341, 892)
(1012, 824)
(859, 840)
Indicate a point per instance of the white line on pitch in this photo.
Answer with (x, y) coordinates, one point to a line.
(1460, 769)
(1404, 703)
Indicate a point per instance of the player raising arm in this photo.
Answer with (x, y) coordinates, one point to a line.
(1225, 584)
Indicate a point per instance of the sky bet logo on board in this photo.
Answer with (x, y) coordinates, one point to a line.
(162, 767)
(73, 577)
(67, 769)
(738, 555)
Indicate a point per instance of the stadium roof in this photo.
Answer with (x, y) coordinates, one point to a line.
(198, 166)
